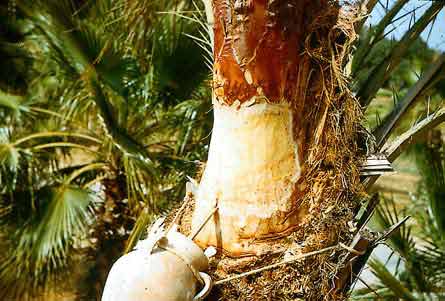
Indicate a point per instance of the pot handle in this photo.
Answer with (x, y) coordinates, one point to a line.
(208, 284)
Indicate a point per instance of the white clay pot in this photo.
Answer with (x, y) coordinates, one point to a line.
(172, 272)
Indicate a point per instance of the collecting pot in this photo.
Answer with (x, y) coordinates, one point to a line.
(172, 271)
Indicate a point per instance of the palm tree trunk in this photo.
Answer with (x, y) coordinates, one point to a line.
(252, 173)
(259, 139)
(284, 155)
(109, 246)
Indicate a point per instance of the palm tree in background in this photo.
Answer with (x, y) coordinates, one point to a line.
(418, 248)
(105, 111)
(96, 136)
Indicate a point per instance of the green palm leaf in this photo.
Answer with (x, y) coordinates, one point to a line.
(387, 215)
(392, 283)
(42, 244)
(430, 77)
(381, 72)
(9, 166)
(83, 51)
(430, 162)
(372, 37)
(12, 102)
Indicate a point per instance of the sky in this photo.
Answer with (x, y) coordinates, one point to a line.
(436, 39)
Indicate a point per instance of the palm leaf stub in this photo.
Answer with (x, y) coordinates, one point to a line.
(395, 148)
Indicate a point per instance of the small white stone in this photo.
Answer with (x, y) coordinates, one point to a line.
(210, 252)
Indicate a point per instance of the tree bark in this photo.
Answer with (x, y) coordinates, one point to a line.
(284, 156)
(260, 130)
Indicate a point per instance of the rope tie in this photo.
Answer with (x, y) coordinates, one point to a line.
(184, 259)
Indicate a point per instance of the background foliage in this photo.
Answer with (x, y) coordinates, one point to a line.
(105, 109)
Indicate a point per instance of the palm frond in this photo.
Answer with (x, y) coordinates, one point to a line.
(372, 37)
(414, 134)
(84, 51)
(391, 282)
(139, 17)
(175, 52)
(57, 134)
(376, 292)
(387, 215)
(140, 229)
(9, 165)
(396, 147)
(430, 77)
(429, 159)
(120, 136)
(41, 245)
(142, 184)
(12, 102)
(381, 72)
